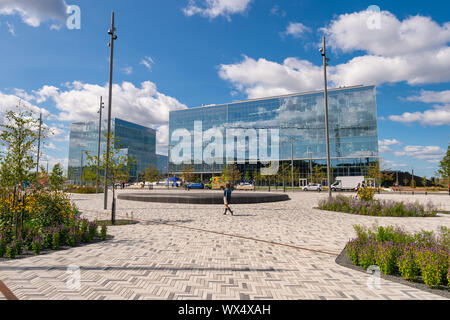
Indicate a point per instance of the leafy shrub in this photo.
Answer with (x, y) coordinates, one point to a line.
(72, 237)
(103, 232)
(51, 209)
(2, 245)
(47, 240)
(426, 239)
(353, 248)
(84, 225)
(37, 245)
(433, 265)
(84, 190)
(382, 208)
(92, 229)
(19, 247)
(386, 257)
(410, 255)
(55, 239)
(11, 250)
(366, 256)
(445, 238)
(366, 194)
(407, 264)
(448, 275)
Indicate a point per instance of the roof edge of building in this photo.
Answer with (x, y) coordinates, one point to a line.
(280, 96)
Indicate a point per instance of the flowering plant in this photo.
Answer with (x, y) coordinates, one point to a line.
(417, 256)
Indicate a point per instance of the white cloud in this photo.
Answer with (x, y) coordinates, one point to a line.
(439, 116)
(277, 11)
(145, 105)
(432, 97)
(11, 29)
(50, 146)
(215, 8)
(296, 29)
(388, 164)
(422, 152)
(127, 70)
(414, 50)
(349, 32)
(147, 62)
(384, 145)
(162, 139)
(259, 78)
(9, 101)
(34, 12)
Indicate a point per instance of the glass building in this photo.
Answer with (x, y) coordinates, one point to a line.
(300, 119)
(134, 140)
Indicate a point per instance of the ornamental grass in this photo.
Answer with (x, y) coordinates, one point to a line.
(423, 256)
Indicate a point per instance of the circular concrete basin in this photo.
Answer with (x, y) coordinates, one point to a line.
(204, 197)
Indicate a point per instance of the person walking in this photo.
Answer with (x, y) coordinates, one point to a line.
(227, 199)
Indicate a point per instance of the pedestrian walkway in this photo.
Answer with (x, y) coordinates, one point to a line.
(278, 251)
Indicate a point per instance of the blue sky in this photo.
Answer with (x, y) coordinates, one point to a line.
(178, 53)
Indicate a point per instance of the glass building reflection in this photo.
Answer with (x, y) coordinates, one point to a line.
(134, 140)
(301, 121)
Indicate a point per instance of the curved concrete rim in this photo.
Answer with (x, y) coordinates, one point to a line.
(204, 198)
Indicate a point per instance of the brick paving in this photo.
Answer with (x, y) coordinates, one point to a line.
(194, 252)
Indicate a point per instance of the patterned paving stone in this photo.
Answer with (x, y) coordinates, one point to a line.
(187, 252)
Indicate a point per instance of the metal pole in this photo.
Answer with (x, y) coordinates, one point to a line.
(39, 145)
(99, 142)
(81, 170)
(108, 142)
(292, 163)
(168, 164)
(325, 64)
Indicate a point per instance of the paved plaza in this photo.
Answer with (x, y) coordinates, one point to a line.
(284, 250)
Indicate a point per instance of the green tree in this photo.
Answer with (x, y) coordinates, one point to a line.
(284, 174)
(187, 174)
(375, 173)
(43, 177)
(424, 181)
(89, 175)
(231, 174)
(118, 165)
(18, 136)
(57, 177)
(151, 174)
(444, 167)
(318, 174)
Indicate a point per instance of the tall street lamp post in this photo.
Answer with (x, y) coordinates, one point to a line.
(39, 145)
(111, 32)
(102, 105)
(323, 51)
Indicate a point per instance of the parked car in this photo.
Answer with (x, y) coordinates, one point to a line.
(313, 187)
(198, 186)
(245, 186)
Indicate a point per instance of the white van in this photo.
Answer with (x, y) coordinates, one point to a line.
(347, 183)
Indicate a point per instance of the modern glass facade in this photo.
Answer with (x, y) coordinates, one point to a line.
(134, 140)
(300, 119)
